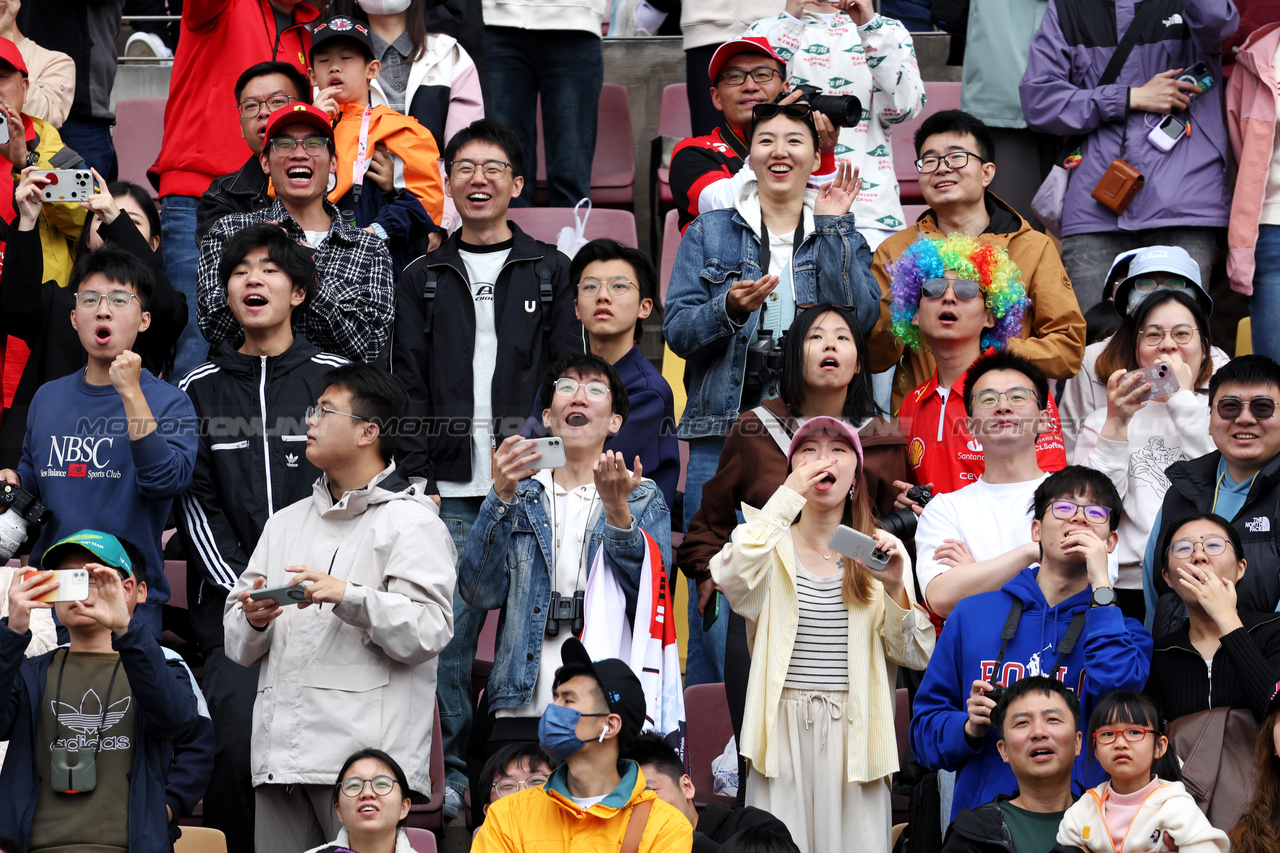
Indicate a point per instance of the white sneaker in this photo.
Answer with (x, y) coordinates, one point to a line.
(452, 804)
(147, 46)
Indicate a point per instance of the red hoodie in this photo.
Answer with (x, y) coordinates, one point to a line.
(219, 40)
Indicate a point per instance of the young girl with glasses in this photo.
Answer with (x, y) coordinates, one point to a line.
(371, 800)
(1143, 806)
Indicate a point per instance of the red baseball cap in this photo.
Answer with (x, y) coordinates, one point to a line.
(9, 53)
(752, 44)
(300, 114)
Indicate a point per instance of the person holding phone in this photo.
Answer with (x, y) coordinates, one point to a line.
(1136, 436)
(826, 635)
(538, 532)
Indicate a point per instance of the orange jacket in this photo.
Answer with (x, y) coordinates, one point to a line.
(403, 137)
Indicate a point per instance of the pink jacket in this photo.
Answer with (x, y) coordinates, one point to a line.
(1251, 123)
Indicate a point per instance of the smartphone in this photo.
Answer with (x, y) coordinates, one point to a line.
(67, 185)
(858, 546)
(1199, 75)
(74, 585)
(711, 612)
(4, 130)
(552, 450)
(1160, 377)
(1168, 133)
(282, 595)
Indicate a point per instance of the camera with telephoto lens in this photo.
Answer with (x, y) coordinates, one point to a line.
(843, 110)
(764, 365)
(566, 609)
(23, 508)
(902, 522)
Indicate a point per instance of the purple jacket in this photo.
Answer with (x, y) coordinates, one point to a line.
(1185, 187)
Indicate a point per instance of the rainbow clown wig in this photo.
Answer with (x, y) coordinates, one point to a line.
(972, 259)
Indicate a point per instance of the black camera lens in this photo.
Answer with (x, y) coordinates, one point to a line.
(901, 523)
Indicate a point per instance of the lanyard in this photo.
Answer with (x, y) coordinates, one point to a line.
(1218, 487)
(796, 240)
(361, 164)
(106, 703)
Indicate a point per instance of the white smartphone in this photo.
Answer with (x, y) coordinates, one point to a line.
(67, 185)
(73, 586)
(1167, 134)
(858, 546)
(552, 450)
(282, 595)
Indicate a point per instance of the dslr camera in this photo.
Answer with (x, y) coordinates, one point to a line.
(23, 508)
(764, 365)
(902, 522)
(843, 110)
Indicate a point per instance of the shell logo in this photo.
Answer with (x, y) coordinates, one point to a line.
(915, 452)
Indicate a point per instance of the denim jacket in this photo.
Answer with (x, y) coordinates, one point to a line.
(506, 564)
(832, 264)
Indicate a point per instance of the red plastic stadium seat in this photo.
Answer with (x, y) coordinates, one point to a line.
(421, 840)
(709, 729)
(139, 129)
(544, 223)
(673, 120)
(939, 96)
(670, 245)
(430, 815)
(613, 167)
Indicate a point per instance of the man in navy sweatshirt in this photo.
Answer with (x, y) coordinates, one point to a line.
(1060, 618)
(109, 447)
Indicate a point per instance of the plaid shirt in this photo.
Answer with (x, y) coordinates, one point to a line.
(353, 309)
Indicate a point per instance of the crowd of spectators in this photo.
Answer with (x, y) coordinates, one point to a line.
(377, 415)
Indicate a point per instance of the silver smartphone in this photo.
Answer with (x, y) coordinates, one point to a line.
(552, 450)
(282, 595)
(858, 546)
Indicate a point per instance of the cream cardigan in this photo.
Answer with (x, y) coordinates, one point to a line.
(1169, 813)
(757, 573)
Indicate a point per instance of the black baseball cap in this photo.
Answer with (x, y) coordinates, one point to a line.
(340, 27)
(621, 687)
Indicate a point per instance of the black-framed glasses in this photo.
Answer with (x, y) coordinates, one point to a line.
(286, 145)
(492, 169)
(799, 111)
(353, 786)
(596, 391)
(616, 286)
(510, 786)
(736, 77)
(1015, 397)
(250, 107)
(1230, 408)
(317, 413)
(1133, 734)
(953, 159)
(1213, 546)
(118, 300)
(1066, 510)
(1153, 336)
(964, 288)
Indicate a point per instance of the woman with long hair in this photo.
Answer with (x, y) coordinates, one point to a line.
(826, 633)
(1258, 829)
(371, 800)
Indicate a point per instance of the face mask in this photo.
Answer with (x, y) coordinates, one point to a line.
(558, 732)
(384, 7)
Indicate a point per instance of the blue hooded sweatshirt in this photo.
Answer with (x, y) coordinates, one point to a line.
(1112, 653)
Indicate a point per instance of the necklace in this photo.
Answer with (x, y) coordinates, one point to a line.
(827, 556)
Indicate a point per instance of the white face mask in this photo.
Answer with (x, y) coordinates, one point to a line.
(384, 7)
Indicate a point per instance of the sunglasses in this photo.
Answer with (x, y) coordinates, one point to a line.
(963, 287)
(798, 111)
(1230, 408)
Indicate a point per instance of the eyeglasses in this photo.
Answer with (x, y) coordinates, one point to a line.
(1066, 510)
(510, 786)
(1133, 734)
(118, 299)
(618, 285)
(1147, 283)
(797, 111)
(1184, 548)
(566, 387)
(317, 413)
(964, 288)
(250, 107)
(353, 786)
(286, 145)
(954, 160)
(1153, 336)
(493, 169)
(763, 74)
(1015, 397)
(1230, 408)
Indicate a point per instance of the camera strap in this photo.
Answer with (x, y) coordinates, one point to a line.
(732, 140)
(765, 254)
(1065, 645)
(106, 703)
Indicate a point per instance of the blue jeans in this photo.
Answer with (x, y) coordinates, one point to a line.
(567, 69)
(91, 139)
(181, 261)
(1264, 305)
(453, 673)
(705, 661)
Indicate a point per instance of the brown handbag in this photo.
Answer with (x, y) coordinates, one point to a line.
(1216, 748)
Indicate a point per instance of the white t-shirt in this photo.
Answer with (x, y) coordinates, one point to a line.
(570, 513)
(316, 238)
(484, 264)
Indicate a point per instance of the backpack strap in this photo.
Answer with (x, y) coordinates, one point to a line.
(545, 294)
(635, 826)
(429, 298)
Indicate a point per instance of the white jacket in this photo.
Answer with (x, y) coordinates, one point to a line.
(343, 839)
(584, 15)
(1168, 814)
(876, 63)
(1159, 434)
(362, 673)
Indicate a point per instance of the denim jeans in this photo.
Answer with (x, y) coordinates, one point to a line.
(705, 661)
(91, 139)
(181, 260)
(1264, 305)
(453, 674)
(1088, 257)
(567, 69)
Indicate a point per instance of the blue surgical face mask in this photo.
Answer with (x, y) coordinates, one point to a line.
(558, 732)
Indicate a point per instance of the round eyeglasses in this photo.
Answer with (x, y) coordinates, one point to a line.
(510, 786)
(1015, 397)
(1212, 546)
(1133, 734)
(596, 391)
(353, 786)
(1153, 336)
(1066, 510)
(616, 286)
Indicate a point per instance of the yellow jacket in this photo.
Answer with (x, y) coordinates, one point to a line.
(60, 225)
(418, 170)
(547, 820)
(757, 572)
